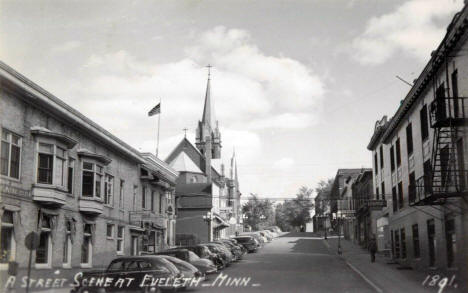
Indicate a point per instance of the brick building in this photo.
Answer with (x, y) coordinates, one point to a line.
(89, 195)
(419, 161)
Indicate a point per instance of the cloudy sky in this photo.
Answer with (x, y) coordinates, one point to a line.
(297, 85)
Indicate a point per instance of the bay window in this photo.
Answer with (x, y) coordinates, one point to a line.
(51, 166)
(10, 154)
(91, 180)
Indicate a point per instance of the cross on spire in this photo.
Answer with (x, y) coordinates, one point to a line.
(185, 132)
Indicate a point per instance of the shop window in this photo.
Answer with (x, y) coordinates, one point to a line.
(67, 245)
(109, 190)
(120, 239)
(91, 180)
(44, 251)
(451, 240)
(10, 154)
(87, 245)
(416, 248)
(7, 239)
(403, 243)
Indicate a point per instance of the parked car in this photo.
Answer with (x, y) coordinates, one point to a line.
(206, 266)
(261, 240)
(248, 242)
(266, 236)
(204, 252)
(137, 267)
(223, 251)
(187, 269)
(236, 251)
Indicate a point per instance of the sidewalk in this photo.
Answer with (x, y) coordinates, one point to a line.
(381, 275)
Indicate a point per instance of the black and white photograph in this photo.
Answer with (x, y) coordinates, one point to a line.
(207, 146)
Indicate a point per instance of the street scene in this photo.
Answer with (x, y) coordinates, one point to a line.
(234, 146)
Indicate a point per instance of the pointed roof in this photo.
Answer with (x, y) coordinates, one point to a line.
(208, 109)
(183, 163)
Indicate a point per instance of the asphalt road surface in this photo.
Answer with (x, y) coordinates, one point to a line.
(291, 263)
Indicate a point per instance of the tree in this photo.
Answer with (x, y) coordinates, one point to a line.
(258, 212)
(281, 218)
(296, 212)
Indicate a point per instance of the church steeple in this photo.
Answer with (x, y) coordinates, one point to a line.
(208, 137)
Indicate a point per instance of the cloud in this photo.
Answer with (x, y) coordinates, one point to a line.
(66, 47)
(284, 163)
(414, 28)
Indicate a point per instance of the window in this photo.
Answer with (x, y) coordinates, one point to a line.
(461, 164)
(394, 199)
(134, 247)
(143, 197)
(416, 249)
(152, 201)
(120, 239)
(397, 244)
(10, 154)
(52, 165)
(7, 239)
(109, 190)
(87, 245)
(376, 165)
(160, 203)
(382, 188)
(67, 245)
(398, 152)
(392, 158)
(412, 187)
(110, 231)
(121, 194)
(44, 251)
(135, 189)
(381, 158)
(424, 125)
(376, 193)
(427, 177)
(431, 241)
(456, 106)
(400, 195)
(91, 180)
(403, 243)
(451, 241)
(409, 139)
(45, 164)
(71, 168)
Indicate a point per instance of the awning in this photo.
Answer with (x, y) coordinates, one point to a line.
(219, 222)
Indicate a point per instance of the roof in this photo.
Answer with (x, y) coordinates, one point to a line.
(182, 163)
(194, 189)
(34, 94)
(379, 129)
(208, 109)
(455, 31)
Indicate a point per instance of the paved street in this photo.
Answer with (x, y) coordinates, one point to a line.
(292, 264)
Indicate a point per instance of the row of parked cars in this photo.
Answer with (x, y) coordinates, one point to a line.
(174, 268)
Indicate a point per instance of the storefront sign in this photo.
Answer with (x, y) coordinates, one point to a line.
(146, 217)
(11, 190)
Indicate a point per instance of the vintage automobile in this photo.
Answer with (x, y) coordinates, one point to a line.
(223, 251)
(188, 270)
(236, 251)
(204, 252)
(205, 266)
(131, 274)
(248, 242)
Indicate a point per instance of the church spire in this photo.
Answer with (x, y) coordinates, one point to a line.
(208, 113)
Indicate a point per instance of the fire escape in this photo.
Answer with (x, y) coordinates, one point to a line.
(445, 177)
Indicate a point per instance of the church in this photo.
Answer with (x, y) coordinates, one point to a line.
(208, 199)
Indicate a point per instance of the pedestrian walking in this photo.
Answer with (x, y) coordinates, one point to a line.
(372, 248)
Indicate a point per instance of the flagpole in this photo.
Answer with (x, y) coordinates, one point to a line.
(159, 126)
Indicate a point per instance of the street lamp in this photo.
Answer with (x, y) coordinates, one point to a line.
(207, 218)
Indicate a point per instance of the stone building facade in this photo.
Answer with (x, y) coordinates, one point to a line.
(420, 158)
(89, 195)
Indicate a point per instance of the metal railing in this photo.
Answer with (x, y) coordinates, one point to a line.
(442, 110)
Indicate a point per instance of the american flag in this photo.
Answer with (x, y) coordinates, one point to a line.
(155, 110)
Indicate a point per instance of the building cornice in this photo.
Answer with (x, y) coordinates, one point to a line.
(455, 30)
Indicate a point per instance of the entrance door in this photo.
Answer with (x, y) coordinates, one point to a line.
(451, 240)
(431, 241)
